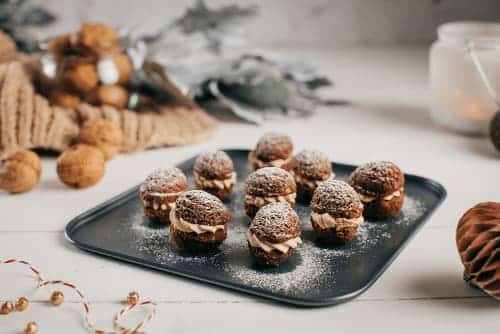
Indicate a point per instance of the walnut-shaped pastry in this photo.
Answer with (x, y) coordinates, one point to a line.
(103, 134)
(20, 172)
(81, 166)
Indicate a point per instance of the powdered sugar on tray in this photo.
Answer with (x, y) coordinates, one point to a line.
(312, 261)
(412, 209)
(309, 268)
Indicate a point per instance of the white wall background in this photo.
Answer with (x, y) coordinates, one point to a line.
(303, 22)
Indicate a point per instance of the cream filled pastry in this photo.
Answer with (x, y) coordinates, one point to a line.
(198, 221)
(380, 185)
(268, 185)
(273, 234)
(184, 226)
(159, 192)
(310, 169)
(336, 212)
(214, 173)
(272, 150)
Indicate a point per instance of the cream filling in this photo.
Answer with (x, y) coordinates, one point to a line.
(157, 206)
(261, 201)
(187, 227)
(165, 194)
(267, 247)
(273, 163)
(221, 184)
(311, 183)
(326, 221)
(368, 199)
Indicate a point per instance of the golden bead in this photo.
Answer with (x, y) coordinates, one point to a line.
(22, 304)
(133, 298)
(57, 298)
(31, 328)
(6, 308)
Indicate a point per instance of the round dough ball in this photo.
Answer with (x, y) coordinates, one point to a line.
(103, 134)
(113, 95)
(81, 166)
(98, 37)
(64, 99)
(20, 172)
(79, 74)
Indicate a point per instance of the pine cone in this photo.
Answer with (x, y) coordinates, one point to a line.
(478, 243)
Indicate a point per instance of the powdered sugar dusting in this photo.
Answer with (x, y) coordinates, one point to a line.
(336, 197)
(274, 145)
(307, 271)
(268, 173)
(215, 165)
(269, 181)
(276, 222)
(163, 179)
(314, 273)
(377, 178)
(312, 164)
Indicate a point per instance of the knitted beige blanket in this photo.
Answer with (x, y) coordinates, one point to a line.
(28, 121)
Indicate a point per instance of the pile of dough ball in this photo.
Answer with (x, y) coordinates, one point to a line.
(83, 164)
(89, 66)
(80, 166)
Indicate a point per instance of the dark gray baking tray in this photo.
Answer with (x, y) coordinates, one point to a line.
(314, 275)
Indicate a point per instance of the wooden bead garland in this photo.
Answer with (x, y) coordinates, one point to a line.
(6, 308)
(57, 298)
(133, 298)
(31, 328)
(22, 304)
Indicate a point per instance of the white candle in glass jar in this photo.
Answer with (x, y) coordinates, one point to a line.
(460, 98)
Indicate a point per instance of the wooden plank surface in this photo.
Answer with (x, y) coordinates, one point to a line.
(463, 316)
(428, 268)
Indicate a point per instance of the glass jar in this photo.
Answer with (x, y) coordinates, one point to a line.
(465, 76)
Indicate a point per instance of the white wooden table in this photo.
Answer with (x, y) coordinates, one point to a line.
(422, 290)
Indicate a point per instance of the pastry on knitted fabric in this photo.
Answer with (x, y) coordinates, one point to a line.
(167, 126)
(27, 120)
(103, 134)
